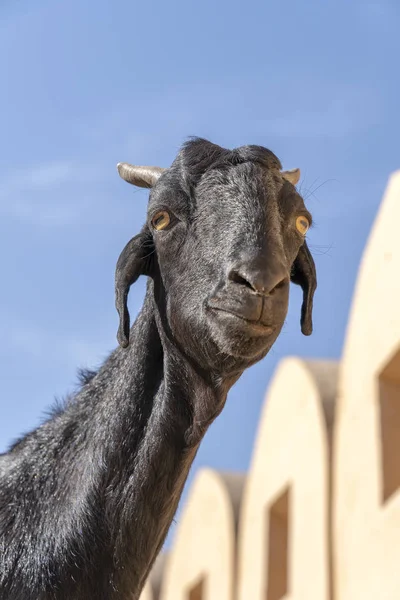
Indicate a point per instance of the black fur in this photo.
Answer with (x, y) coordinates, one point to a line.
(87, 498)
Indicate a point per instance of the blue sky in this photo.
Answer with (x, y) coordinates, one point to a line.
(88, 84)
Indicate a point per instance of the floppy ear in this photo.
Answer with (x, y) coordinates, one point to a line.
(134, 260)
(305, 275)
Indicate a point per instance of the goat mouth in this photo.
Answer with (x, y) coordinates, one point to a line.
(257, 326)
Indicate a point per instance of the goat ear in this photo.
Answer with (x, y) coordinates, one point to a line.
(145, 177)
(133, 261)
(305, 275)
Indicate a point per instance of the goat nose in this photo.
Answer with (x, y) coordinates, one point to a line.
(264, 281)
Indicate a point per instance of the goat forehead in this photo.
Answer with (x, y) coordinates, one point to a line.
(246, 187)
(246, 173)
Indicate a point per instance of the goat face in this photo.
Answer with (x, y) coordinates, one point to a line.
(225, 234)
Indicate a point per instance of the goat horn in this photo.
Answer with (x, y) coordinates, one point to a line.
(145, 177)
(292, 176)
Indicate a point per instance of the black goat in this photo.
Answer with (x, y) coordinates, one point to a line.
(87, 498)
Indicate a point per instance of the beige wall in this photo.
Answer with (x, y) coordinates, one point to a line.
(320, 516)
(367, 457)
(286, 502)
(153, 585)
(202, 564)
(147, 593)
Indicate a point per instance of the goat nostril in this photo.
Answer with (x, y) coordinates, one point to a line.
(280, 285)
(260, 282)
(239, 279)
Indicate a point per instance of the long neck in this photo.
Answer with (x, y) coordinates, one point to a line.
(103, 477)
(161, 409)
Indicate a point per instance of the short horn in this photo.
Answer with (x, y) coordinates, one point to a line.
(292, 176)
(145, 177)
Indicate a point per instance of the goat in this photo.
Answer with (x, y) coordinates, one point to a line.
(87, 498)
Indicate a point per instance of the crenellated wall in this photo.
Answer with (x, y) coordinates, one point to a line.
(318, 515)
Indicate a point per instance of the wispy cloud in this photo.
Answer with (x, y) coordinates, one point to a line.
(325, 107)
(383, 15)
(342, 113)
(36, 177)
(53, 193)
(43, 345)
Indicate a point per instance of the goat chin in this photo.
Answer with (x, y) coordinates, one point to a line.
(239, 338)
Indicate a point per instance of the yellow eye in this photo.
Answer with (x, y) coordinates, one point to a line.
(161, 220)
(302, 225)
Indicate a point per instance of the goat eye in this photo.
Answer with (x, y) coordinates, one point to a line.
(161, 220)
(302, 225)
